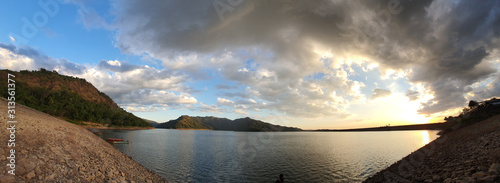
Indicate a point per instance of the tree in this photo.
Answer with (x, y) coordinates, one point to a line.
(473, 104)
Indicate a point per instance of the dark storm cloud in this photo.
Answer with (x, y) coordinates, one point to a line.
(446, 43)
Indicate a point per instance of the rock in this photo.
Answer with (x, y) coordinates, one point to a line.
(7, 179)
(436, 178)
(20, 170)
(51, 177)
(30, 175)
(2, 153)
(109, 173)
(490, 178)
(38, 171)
(494, 169)
(469, 180)
(471, 170)
(478, 175)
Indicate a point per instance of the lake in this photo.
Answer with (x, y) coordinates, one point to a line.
(227, 156)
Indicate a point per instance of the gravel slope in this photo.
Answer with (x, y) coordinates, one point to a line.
(470, 154)
(52, 150)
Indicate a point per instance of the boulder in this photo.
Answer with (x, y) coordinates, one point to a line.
(479, 175)
(494, 169)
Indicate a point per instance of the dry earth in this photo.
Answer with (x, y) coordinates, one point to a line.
(52, 150)
(470, 154)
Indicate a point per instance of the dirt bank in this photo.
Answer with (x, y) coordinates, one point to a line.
(48, 149)
(470, 154)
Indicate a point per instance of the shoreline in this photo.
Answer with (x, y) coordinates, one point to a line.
(49, 149)
(430, 126)
(90, 125)
(469, 154)
(117, 128)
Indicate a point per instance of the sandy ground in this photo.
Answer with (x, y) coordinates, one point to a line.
(470, 154)
(48, 149)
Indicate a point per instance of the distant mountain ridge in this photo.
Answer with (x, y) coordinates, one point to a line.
(213, 123)
(73, 99)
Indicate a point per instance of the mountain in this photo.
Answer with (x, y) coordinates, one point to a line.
(213, 123)
(70, 98)
(154, 123)
(431, 126)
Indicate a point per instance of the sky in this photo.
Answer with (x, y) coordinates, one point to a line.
(309, 64)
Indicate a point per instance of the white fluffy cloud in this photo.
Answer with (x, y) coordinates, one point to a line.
(223, 101)
(137, 88)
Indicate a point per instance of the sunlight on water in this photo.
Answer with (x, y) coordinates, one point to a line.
(425, 137)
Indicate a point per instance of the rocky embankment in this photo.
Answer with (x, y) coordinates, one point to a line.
(470, 154)
(48, 149)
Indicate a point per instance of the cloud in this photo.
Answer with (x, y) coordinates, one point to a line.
(412, 95)
(27, 58)
(208, 108)
(445, 45)
(134, 86)
(141, 109)
(223, 101)
(380, 93)
(12, 39)
(117, 66)
(146, 97)
(239, 111)
(224, 87)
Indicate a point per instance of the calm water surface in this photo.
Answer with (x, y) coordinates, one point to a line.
(225, 156)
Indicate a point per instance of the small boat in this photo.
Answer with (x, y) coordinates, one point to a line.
(114, 140)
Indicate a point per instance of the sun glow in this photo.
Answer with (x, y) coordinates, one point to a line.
(409, 111)
(419, 119)
(425, 137)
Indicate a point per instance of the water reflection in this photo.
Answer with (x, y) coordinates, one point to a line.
(214, 156)
(425, 137)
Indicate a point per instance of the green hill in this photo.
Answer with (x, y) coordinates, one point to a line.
(70, 98)
(213, 123)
